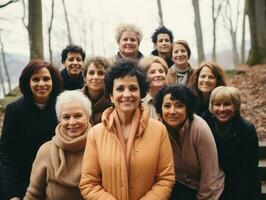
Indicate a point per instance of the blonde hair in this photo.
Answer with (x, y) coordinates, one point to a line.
(128, 27)
(145, 63)
(225, 92)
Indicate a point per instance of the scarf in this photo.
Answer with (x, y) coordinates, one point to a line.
(61, 146)
(181, 74)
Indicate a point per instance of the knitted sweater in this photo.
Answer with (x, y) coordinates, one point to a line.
(57, 167)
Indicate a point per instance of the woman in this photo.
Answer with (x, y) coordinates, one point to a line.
(120, 161)
(94, 72)
(206, 77)
(155, 69)
(181, 71)
(237, 144)
(162, 39)
(128, 37)
(72, 57)
(29, 122)
(197, 171)
(56, 170)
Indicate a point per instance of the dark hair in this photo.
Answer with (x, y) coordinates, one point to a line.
(120, 69)
(179, 92)
(159, 30)
(72, 48)
(215, 69)
(34, 66)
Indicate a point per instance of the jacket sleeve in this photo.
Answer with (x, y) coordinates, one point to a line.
(165, 177)
(37, 186)
(90, 182)
(10, 184)
(212, 177)
(247, 175)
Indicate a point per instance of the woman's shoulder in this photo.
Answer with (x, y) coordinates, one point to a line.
(199, 125)
(17, 105)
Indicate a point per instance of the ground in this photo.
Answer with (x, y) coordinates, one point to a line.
(251, 81)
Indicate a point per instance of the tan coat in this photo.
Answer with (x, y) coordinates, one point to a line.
(56, 170)
(151, 171)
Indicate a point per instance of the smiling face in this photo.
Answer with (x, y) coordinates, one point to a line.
(73, 119)
(206, 81)
(73, 64)
(180, 56)
(163, 43)
(95, 78)
(173, 112)
(41, 85)
(126, 94)
(156, 75)
(223, 109)
(128, 44)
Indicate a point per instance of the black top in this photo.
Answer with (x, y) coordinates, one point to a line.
(238, 154)
(168, 60)
(25, 129)
(70, 83)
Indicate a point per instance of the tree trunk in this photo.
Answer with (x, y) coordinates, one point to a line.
(243, 42)
(2, 82)
(35, 29)
(257, 23)
(49, 33)
(160, 11)
(67, 23)
(5, 64)
(197, 25)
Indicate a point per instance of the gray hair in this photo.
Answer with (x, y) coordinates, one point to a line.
(69, 96)
(128, 27)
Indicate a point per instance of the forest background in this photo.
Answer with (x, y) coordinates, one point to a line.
(230, 32)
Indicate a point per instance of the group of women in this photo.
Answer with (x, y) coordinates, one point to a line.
(139, 128)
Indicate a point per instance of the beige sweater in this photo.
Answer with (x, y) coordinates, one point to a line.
(56, 169)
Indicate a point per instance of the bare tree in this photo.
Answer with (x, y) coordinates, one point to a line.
(232, 28)
(2, 82)
(49, 33)
(216, 9)
(243, 43)
(35, 29)
(67, 23)
(257, 22)
(198, 30)
(160, 11)
(7, 3)
(5, 64)
(91, 34)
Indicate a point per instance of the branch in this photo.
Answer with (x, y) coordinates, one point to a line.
(7, 3)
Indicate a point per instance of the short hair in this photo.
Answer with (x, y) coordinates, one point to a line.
(99, 62)
(226, 92)
(72, 48)
(161, 30)
(215, 69)
(185, 44)
(128, 27)
(33, 67)
(70, 96)
(120, 69)
(146, 62)
(177, 92)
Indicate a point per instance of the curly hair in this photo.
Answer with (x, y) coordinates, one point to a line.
(159, 30)
(120, 69)
(177, 92)
(72, 48)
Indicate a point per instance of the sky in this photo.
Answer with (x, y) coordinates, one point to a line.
(93, 25)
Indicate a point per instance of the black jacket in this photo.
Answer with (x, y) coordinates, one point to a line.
(238, 154)
(25, 129)
(168, 60)
(70, 83)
